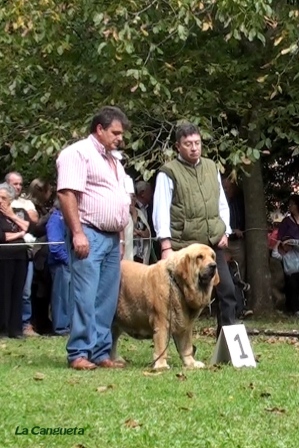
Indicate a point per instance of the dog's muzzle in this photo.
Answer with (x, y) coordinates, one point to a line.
(207, 274)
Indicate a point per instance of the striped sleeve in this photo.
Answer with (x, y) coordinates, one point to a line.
(71, 170)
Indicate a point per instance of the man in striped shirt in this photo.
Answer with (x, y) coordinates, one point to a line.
(95, 204)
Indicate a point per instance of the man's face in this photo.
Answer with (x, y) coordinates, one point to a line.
(146, 195)
(190, 148)
(112, 136)
(16, 182)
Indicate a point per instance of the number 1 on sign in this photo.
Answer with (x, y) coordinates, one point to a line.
(243, 354)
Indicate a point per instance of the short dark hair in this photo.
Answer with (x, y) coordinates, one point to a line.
(294, 198)
(184, 130)
(106, 115)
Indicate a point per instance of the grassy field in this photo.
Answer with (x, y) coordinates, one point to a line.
(135, 408)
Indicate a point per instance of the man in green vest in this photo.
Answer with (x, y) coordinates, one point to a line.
(190, 207)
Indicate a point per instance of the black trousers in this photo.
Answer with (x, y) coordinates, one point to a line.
(225, 293)
(12, 280)
(292, 292)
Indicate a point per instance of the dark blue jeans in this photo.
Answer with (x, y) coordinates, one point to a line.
(26, 299)
(60, 298)
(94, 292)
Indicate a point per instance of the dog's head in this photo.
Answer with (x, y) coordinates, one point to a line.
(195, 271)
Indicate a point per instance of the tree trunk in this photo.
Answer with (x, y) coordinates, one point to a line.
(257, 252)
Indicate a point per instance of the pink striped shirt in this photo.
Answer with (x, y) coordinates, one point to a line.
(102, 198)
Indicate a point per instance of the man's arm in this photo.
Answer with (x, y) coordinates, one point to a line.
(161, 212)
(275, 253)
(224, 215)
(69, 208)
(72, 177)
(33, 215)
(224, 208)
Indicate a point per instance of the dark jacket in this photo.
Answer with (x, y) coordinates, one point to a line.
(7, 226)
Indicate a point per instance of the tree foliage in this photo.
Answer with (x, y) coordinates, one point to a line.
(210, 62)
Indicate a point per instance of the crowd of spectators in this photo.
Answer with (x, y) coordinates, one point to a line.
(35, 248)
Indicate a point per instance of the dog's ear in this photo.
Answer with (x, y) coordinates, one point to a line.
(216, 278)
(183, 267)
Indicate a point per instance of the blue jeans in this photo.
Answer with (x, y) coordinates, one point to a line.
(94, 293)
(60, 298)
(26, 300)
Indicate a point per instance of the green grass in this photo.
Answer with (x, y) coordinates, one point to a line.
(214, 407)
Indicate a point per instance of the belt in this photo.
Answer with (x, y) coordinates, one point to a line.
(96, 229)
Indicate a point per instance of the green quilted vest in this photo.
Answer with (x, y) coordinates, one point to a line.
(194, 212)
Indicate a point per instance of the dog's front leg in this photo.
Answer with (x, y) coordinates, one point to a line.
(183, 343)
(161, 339)
(116, 332)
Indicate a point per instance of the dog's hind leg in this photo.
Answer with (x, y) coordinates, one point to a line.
(183, 343)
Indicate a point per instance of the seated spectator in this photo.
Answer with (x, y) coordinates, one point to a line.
(60, 272)
(137, 236)
(141, 235)
(144, 197)
(144, 202)
(275, 265)
(288, 252)
(15, 224)
(290, 224)
(236, 240)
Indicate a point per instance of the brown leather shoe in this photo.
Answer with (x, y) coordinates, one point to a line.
(109, 364)
(82, 364)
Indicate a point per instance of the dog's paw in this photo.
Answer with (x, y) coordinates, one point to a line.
(198, 365)
(195, 365)
(161, 366)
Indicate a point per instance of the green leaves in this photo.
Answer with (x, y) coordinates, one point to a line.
(210, 63)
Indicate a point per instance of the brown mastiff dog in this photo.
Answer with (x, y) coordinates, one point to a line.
(164, 299)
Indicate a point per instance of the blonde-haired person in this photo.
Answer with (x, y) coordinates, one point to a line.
(14, 225)
(15, 179)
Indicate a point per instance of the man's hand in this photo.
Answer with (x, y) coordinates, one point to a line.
(81, 245)
(166, 253)
(122, 249)
(238, 233)
(223, 242)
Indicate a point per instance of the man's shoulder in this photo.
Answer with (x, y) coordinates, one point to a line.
(77, 147)
(169, 166)
(206, 162)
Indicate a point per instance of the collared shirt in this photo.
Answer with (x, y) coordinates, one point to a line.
(143, 208)
(162, 203)
(99, 183)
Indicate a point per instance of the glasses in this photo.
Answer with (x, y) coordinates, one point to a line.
(191, 144)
